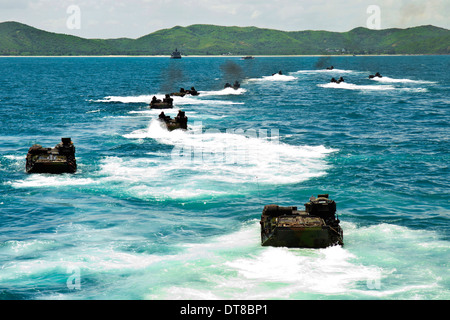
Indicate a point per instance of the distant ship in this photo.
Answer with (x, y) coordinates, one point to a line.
(175, 55)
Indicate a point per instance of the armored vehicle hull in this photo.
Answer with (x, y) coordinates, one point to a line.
(161, 105)
(312, 228)
(60, 159)
(301, 237)
(178, 94)
(172, 125)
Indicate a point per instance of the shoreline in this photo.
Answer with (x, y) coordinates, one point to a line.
(225, 56)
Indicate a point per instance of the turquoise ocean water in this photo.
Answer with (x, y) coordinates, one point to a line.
(152, 214)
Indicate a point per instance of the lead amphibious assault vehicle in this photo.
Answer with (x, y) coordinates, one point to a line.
(180, 121)
(60, 159)
(315, 227)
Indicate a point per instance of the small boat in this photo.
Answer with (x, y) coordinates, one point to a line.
(176, 54)
(248, 58)
(315, 227)
(60, 159)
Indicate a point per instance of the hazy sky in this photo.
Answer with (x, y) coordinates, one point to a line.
(136, 18)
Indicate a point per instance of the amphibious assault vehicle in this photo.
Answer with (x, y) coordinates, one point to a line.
(166, 103)
(377, 75)
(236, 85)
(180, 121)
(315, 227)
(184, 92)
(60, 159)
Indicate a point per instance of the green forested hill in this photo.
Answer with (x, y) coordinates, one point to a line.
(20, 39)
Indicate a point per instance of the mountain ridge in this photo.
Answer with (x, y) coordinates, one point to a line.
(205, 39)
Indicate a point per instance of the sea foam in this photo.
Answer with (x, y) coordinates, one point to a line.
(385, 79)
(238, 155)
(275, 77)
(351, 86)
(212, 163)
(177, 101)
